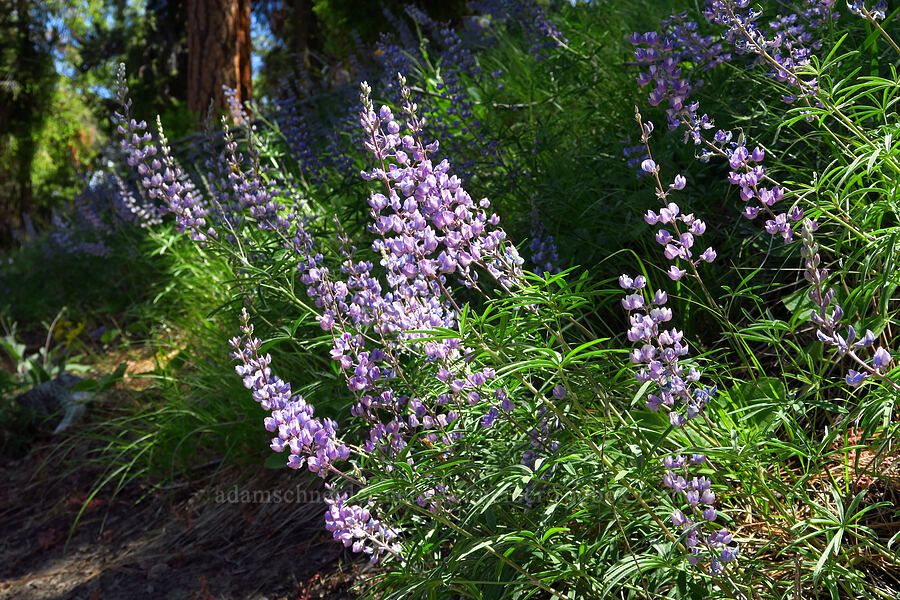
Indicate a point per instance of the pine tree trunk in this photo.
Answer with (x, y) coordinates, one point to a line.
(218, 52)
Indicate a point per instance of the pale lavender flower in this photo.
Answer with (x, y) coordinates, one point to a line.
(827, 316)
(239, 115)
(648, 166)
(162, 179)
(355, 527)
(311, 441)
(699, 513)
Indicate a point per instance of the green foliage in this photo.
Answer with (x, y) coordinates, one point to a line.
(563, 495)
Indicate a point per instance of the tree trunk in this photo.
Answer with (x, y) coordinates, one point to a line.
(218, 52)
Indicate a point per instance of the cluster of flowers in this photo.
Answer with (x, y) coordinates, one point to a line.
(786, 48)
(302, 135)
(82, 231)
(320, 150)
(236, 110)
(438, 228)
(541, 32)
(659, 356)
(428, 230)
(455, 59)
(676, 245)
(877, 13)
(239, 185)
(241, 189)
(786, 51)
(666, 56)
(544, 257)
(456, 71)
(392, 56)
(660, 351)
(163, 181)
(697, 493)
(679, 244)
(457, 67)
(358, 530)
(674, 54)
(311, 441)
(104, 207)
(749, 175)
(746, 172)
(827, 317)
(130, 207)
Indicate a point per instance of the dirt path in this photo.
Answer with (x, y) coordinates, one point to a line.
(189, 541)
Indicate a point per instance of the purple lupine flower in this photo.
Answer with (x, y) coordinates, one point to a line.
(136, 209)
(665, 56)
(162, 179)
(676, 246)
(355, 527)
(786, 49)
(881, 359)
(660, 351)
(751, 177)
(254, 193)
(700, 510)
(648, 166)
(858, 8)
(544, 256)
(541, 438)
(453, 232)
(303, 136)
(427, 228)
(239, 115)
(829, 329)
(488, 419)
(311, 441)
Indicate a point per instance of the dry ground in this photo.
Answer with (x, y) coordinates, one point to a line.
(202, 539)
(185, 542)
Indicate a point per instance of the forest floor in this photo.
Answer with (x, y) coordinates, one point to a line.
(228, 536)
(187, 541)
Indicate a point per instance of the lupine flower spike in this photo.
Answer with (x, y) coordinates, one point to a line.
(677, 243)
(827, 317)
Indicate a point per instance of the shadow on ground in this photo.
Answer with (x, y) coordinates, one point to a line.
(260, 539)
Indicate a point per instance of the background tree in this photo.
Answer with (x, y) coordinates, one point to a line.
(218, 52)
(310, 38)
(28, 82)
(56, 63)
(150, 36)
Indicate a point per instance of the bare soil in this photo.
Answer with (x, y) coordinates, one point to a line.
(191, 540)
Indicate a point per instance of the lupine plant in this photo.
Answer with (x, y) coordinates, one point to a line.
(679, 430)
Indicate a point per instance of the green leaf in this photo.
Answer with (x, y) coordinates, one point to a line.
(275, 461)
(799, 304)
(552, 531)
(104, 383)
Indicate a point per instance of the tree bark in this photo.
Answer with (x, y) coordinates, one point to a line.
(218, 52)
